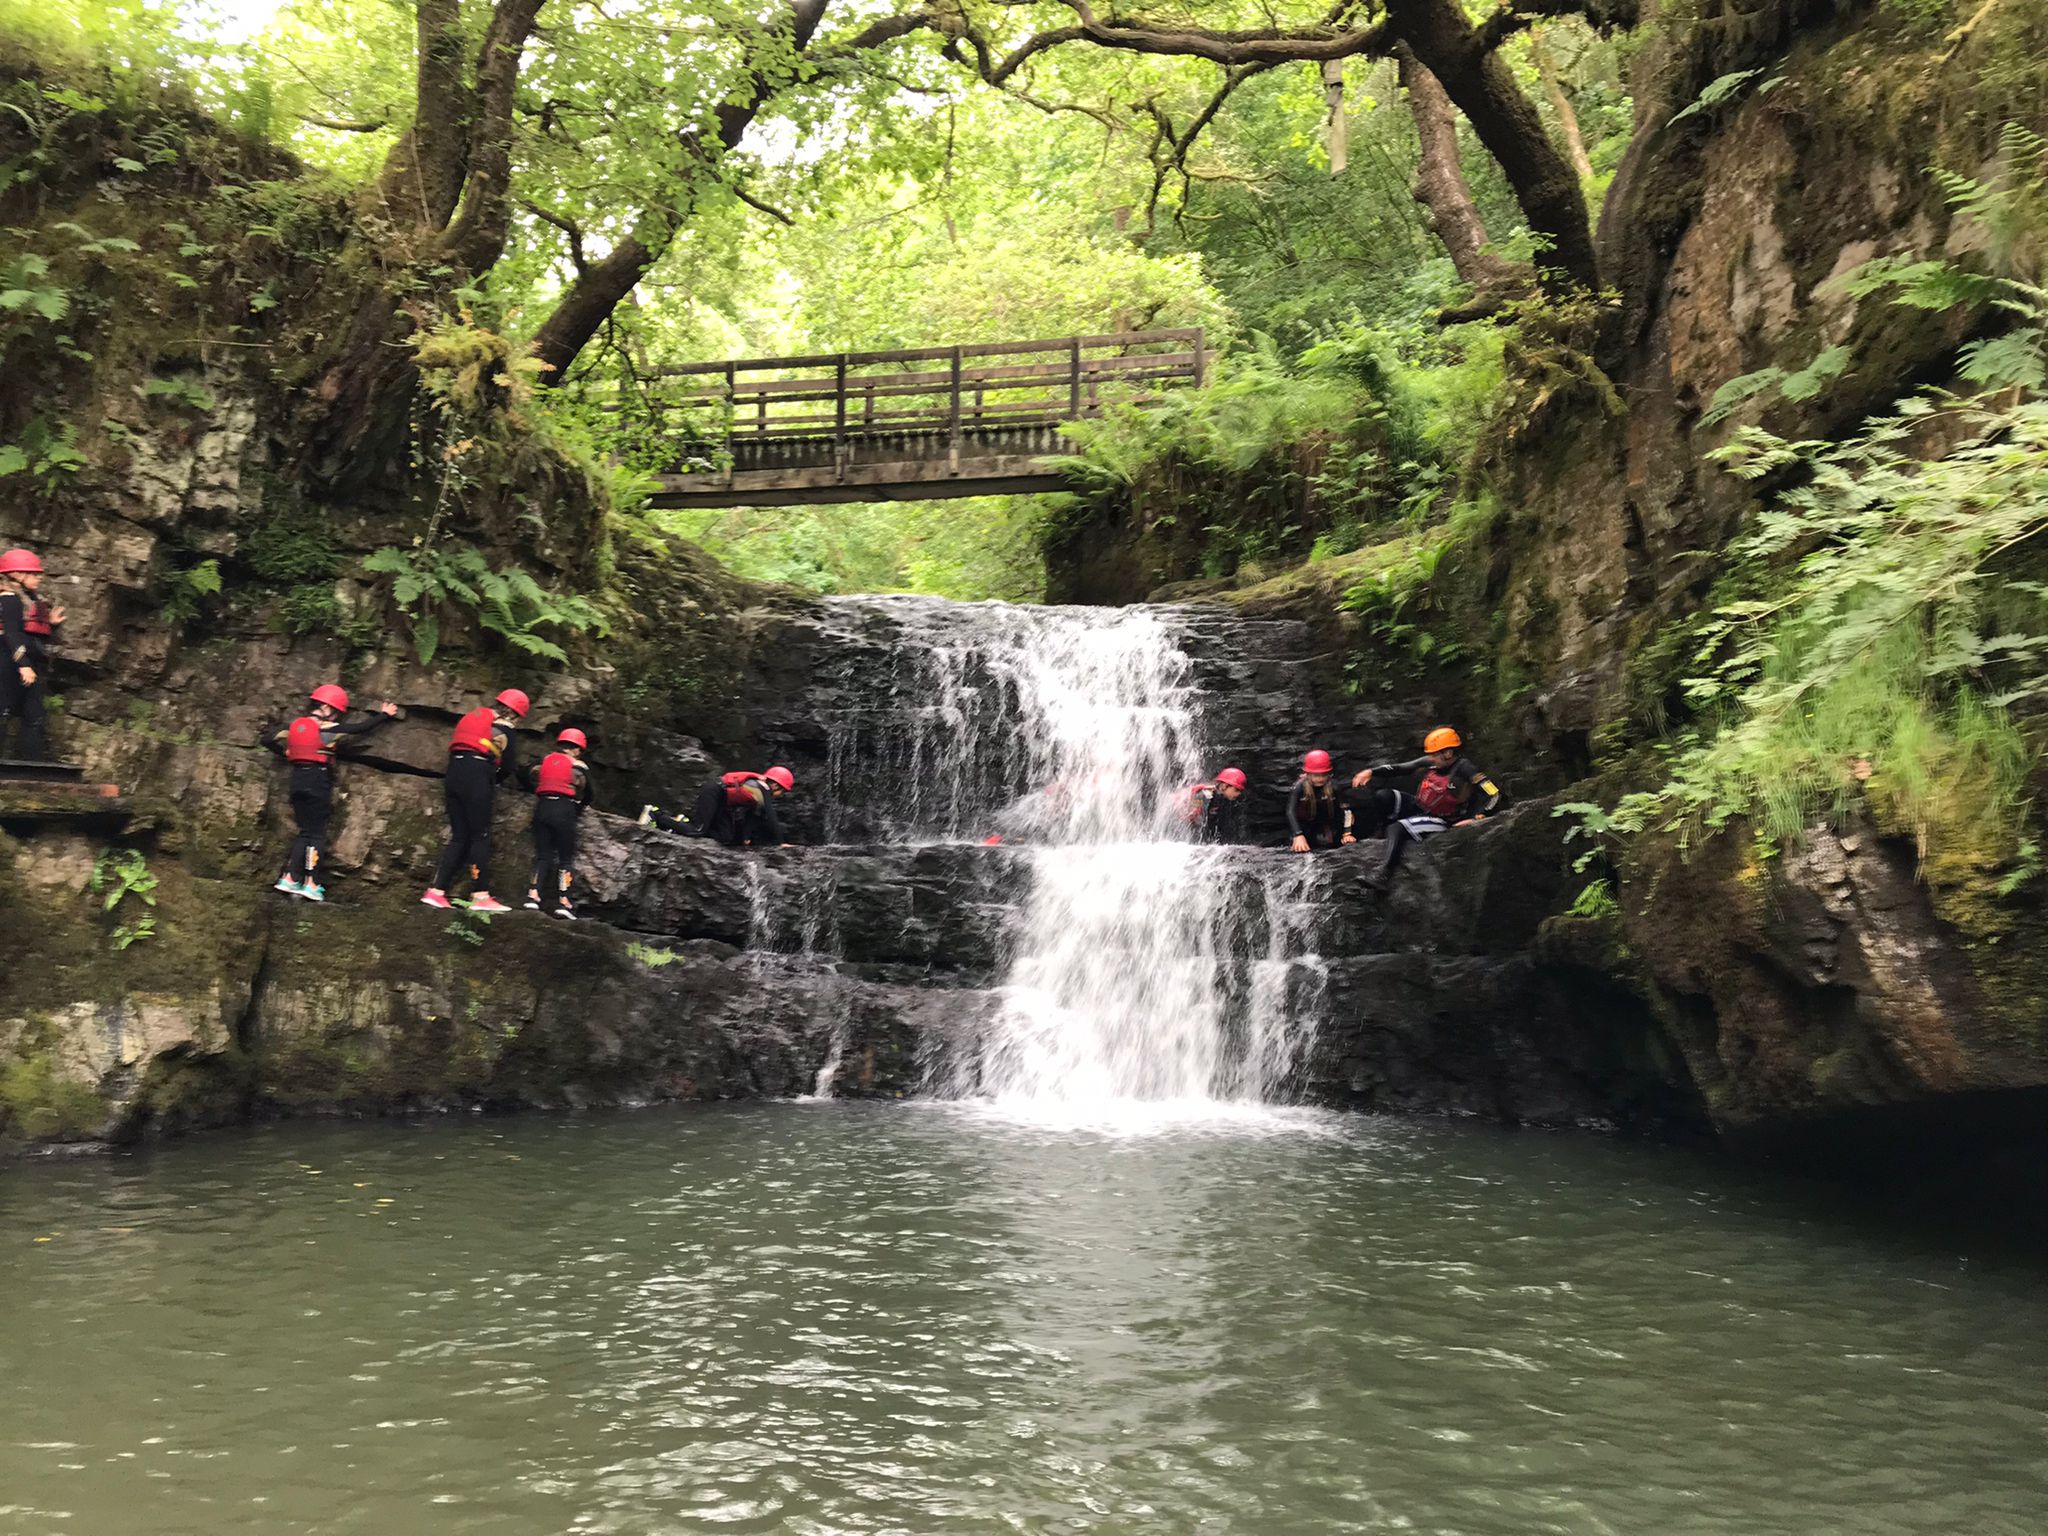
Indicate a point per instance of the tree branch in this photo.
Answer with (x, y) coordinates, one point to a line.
(760, 206)
(568, 227)
(477, 236)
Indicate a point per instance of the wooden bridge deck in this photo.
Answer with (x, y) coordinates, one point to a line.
(923, 424)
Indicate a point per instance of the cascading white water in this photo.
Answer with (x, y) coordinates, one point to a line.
(1145, 967)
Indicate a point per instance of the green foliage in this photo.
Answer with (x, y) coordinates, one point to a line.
(509, 602)
(1402, 612)
(1889, 634)
(1722, 90)
(186, 591)
(1595, 901)
(45, 453)
(118, 874)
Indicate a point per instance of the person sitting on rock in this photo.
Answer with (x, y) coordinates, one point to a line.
(735, 809)
(1450, 792)
(561, 789)
(479, 754)
(1315, 813)
(308, 744)
(27, 626)
(1214, 812)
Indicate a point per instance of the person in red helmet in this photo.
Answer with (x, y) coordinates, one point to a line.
(1450, 791)
(308, 744)
(736, 809)
(561, 789)
(479, 754)
(27, 627)
(1315, 815)
(1214, 811)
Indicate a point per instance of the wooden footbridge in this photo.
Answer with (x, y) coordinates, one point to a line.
(924, 424)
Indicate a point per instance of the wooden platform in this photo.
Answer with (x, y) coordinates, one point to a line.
(40, 792)
(927, 423)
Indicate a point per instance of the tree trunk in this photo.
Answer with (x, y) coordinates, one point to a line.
(1507, 123)
(423, 175)
(1440, 181)
(1561, 104)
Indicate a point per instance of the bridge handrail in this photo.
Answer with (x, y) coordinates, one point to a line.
(932, 354)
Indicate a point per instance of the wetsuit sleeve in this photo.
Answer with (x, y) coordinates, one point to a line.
(771, 824)
(1486, 795)
(332, 735)
(274, 737)
(1294, 811)
(12, 636)
(508, 755)
(1415, 765)
(582, 787)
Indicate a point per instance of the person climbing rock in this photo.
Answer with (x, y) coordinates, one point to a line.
(736, 809)
(561, 789)
(1315, 813)
(479, 754)
(27, 626)
(1214, 812)
(308, 744)
(1450, 792)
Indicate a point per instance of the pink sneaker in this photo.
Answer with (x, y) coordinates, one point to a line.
(437, 899)
(487, 903)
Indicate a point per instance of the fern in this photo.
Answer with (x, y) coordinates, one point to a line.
(508, 603)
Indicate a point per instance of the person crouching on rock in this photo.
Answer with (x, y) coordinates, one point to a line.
(1451, 792)
(561, 789)
(736, 809)
(1214, 812)
(479, 754)
(308, 744)
(27, 626)
(1315, 816)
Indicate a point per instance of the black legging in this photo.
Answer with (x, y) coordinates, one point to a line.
(24, 701)
(312, 809)
(468, 789)
(1375, 807)
(554, 848)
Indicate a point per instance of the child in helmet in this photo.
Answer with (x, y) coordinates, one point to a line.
(308, 744)
(736, 809)
(27, 625)
(479, 754)
(1214, 812)
(1315, 818)
(1451, 791)
(561, 789)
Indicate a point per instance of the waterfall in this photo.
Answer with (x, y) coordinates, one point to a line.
(1143, 966)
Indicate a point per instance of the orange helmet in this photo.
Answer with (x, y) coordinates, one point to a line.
(1442, 739)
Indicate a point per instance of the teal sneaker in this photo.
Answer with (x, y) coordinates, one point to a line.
(289, 886)
(313, 892)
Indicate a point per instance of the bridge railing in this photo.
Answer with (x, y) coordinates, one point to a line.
(948, 391)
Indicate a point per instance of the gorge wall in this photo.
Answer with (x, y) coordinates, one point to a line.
(1756, 999)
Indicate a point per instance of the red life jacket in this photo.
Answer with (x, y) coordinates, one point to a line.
(1193, 802)
(1436, 797)
(36, 620)
(302, 743)
(476, 732)
(736, 787)
(557, 776)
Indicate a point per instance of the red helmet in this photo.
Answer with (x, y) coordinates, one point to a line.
(573, 738)
(1317, 761)
(332, 695)
(20, 562)
(515, 701)
(1234, 777)
(781, 777)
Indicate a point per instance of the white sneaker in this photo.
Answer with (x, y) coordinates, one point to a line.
(646, 815)
(565, 914)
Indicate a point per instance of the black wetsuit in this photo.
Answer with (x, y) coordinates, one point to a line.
(555, 818)
(736, 826)
(1403, 817)
(312, 791)
(19, 648)
(1222, 817)
(1317, 815)
(468, 790)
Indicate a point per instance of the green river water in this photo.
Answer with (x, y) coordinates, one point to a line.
(832, 1318)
